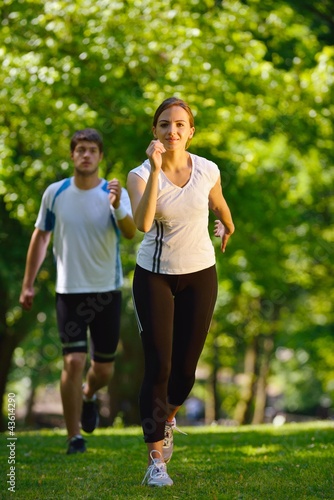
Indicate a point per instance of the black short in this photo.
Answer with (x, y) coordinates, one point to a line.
(100, 312)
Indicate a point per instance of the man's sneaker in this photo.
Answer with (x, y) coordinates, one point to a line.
(156, 474)
(89, 415)
(168, 444)
(76, 445)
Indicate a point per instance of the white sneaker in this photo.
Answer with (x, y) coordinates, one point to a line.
(168, 444)
(156, 474)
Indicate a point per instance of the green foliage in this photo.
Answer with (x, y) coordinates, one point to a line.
(259, 76)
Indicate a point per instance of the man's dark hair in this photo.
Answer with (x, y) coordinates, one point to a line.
(87, 134)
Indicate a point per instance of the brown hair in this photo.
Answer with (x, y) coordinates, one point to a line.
(89, 135)
(168, 103)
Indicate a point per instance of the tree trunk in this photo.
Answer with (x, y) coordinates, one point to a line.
(243, 409)
(8, 344)
(261, 385)
(10, 338)
(212, 403)
(29, 418)
(215, 369)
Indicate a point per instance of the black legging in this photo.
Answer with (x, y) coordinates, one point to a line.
(174, 313)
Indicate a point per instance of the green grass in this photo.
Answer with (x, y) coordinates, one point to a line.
(295, 461)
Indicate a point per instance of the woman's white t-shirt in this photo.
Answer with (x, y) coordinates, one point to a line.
(178, 241)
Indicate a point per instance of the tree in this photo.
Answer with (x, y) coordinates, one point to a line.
(259, 78)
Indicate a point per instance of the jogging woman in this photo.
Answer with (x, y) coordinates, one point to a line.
(175, 282)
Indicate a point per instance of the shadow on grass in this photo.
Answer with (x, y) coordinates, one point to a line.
(291, 462)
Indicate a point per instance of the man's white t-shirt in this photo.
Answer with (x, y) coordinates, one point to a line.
(178, 241)
(85, 236)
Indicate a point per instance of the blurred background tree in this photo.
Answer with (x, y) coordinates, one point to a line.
(259, 77)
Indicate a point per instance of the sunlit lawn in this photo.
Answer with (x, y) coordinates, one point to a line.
(295, 461)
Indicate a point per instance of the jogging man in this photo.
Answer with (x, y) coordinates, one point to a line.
(86, 215)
